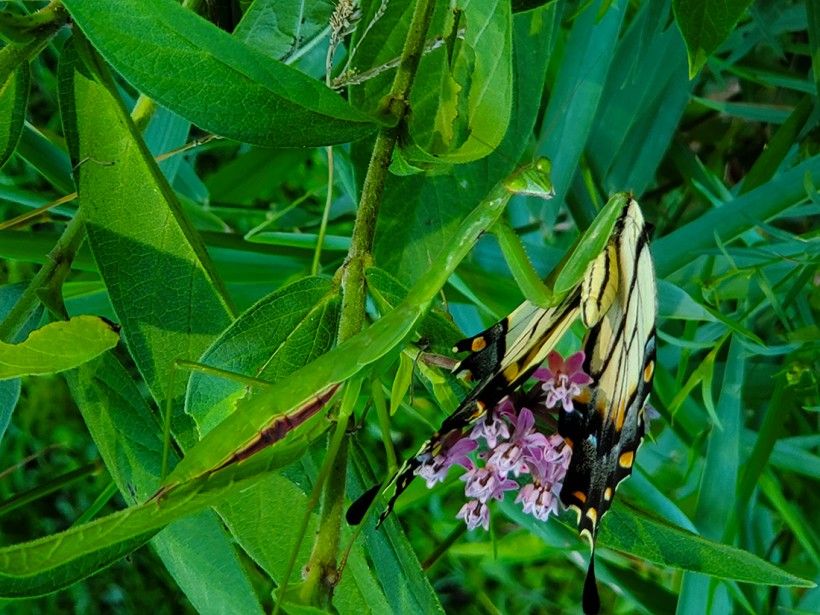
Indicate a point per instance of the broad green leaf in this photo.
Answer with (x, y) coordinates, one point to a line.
(214, 80)
(349, 358)
(636, 533)
(705, 25)
(282, 29)
(174, 313)
(462, 94)
(421, 214)
(46, 564)
(135, 225)
(56, 347)
(277, 505)
(129, 439)
(14, 88)
(281, 333)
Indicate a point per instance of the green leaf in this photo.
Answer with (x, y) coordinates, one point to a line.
(422, 213)
(56, 347)
(705, 25)
(13, 99)
(649, 71)
(282, 29)
(813, 18)
(674, 302)
(576, 94)
(396, 565)
(10, 389)
(280, 333)
(129, 439)
(784, 191)
(718, 487)
(239, 92)
(277, 505)
(462, 95)
(174, 313)
(117, 178)
(637, 533)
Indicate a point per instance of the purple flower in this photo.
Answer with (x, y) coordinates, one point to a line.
(475, 513)
(497, 428)
(563, 380)
(548, 468)
(485, 483)
(435, 469)
(512, 456)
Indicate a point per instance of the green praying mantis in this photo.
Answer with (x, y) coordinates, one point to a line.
(282, 409)
(274, 427)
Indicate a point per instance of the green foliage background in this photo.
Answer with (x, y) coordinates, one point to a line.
(165, 167)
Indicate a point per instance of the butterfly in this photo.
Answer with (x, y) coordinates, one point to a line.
(616, 301)
(607, 424)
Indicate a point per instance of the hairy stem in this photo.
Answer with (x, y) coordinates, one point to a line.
(352, 318)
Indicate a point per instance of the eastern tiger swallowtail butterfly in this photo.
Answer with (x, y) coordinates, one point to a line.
(616, 301)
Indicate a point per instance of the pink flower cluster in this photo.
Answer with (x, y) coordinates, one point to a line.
(514, 455)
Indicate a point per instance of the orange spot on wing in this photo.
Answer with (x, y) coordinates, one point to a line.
(511, 372)
(580, 496)
(478, 344)
(648, 371)
(626, 459)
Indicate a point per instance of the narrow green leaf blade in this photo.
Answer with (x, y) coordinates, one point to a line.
(13, 99)
(632, 531)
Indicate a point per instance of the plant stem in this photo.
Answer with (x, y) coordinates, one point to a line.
(352, 318)
(56, 267)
